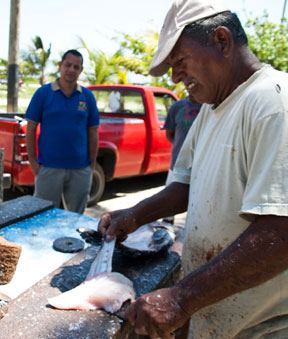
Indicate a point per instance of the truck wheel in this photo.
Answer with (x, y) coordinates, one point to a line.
(97, 186)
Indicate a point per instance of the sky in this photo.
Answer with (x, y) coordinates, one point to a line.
(62, 22)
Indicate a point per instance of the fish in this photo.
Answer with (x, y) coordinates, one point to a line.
(90, 235)
(106, 290)
(101, 289)
(148, 239)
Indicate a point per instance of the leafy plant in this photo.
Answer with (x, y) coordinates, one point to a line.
(35, 59)
(269, 41)
(104, 69)
(137, 54)
(3, 68)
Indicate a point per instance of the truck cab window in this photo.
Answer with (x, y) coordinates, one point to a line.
(163, 102)
(119, 101)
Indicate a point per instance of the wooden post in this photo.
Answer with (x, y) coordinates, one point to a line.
(13, 58)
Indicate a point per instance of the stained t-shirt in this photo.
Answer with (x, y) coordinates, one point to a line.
(235, 160)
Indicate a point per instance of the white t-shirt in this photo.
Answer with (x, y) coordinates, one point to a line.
(114, 101)
(235, 159)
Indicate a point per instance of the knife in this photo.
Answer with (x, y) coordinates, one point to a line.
(103, 260)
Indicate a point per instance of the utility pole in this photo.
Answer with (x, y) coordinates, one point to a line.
(13, 58)
(284, 8)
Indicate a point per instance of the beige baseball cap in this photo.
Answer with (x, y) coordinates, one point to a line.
(181, 14)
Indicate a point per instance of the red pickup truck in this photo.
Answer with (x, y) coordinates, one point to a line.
(131, 136)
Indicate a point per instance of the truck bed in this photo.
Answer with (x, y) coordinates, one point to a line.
(12, 116)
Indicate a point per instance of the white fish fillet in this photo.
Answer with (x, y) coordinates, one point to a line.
(101, 289)
(106, 290)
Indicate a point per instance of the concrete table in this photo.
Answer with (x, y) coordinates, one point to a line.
(29, 315)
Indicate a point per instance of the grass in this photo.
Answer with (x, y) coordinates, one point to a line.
(24, 96)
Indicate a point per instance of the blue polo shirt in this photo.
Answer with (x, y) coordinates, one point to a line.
(64, 123)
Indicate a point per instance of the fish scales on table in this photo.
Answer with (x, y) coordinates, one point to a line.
(101, 288)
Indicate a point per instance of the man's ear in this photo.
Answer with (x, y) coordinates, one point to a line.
(223, 40)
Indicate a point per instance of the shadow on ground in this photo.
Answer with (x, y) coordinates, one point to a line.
(117, 187)
(114, 188)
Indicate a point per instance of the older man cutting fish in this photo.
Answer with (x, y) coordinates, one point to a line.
(232, 178)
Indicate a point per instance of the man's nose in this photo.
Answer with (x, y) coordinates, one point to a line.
(176, 75)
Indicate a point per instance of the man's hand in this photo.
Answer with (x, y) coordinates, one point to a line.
(117, 224)
(157, 314)
(93, 165)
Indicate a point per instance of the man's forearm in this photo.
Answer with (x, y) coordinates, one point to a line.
(93, 144)
(31, 142)
(258, 255)
(172, 200)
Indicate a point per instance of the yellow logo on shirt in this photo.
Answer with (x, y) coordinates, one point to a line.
(82, 106)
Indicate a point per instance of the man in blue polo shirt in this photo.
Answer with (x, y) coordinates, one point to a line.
(68, 141)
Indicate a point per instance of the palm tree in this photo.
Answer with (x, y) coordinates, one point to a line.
(104, 69)
(137, 53)
(35, 59)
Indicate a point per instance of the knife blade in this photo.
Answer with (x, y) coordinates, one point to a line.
(103, 260)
